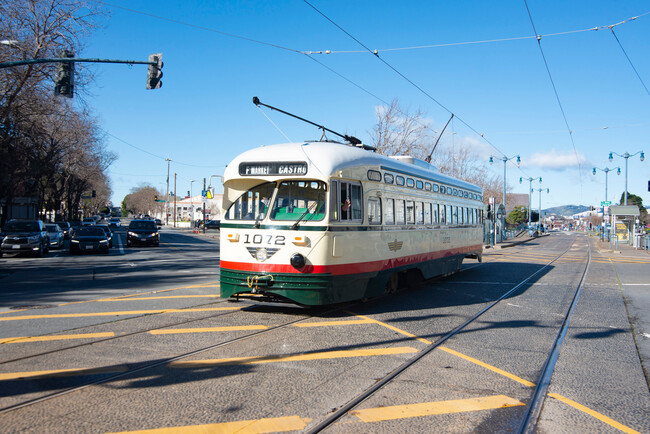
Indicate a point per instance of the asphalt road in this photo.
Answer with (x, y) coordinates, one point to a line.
(146, 326)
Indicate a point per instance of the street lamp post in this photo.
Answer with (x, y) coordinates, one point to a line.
(192, 181)
(539, 221)
(530, 189)
(168, 160)
(606, 170)
(505, 160)
(626, 156)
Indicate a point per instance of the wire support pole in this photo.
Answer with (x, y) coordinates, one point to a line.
(607, 170)
(530, 189)
(627, 155)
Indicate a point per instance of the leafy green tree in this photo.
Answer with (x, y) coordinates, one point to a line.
(518, 215)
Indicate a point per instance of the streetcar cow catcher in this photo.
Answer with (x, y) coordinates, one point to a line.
(317, 223)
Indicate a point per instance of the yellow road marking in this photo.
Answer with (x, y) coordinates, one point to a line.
(388, 326)
(208, 329)
(161, 297)
(62, 373)
(200, 285)
(431, 408)
(595, 414)
(55, 338)
(487, 366)
(169, 245)
(334, 323)
(126, 312)
(258, 426)
(293, 358)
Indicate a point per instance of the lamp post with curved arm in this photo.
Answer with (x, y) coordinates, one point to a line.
(539, 220)
(606, 170)
(530, 189)
(626, 156)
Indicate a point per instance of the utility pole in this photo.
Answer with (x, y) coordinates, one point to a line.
(175, 199)
(168, 160)
(203, 198)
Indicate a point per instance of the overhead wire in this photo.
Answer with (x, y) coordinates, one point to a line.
(629, 60)
(557, 95)
(376, 54)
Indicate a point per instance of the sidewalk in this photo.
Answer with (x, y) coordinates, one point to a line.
(632, 268)
(515, 242)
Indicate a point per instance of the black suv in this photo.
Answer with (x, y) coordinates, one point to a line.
(20, 236)
(142, 232)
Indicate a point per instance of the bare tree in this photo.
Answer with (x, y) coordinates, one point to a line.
(141, 200)
(401, 132)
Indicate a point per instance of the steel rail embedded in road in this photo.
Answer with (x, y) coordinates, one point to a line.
(164, 361)
(537, 401)
(404, 366)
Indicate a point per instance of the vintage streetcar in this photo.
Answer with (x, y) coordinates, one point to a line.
(318, 223)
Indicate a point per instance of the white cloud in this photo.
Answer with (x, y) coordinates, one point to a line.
(554, 160)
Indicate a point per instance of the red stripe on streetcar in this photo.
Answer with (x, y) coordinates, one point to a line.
(355, 268)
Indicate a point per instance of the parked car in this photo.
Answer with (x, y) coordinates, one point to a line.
(56, 235)
(213, 224)
(115, 222)
(89, 239)
(65, 227)
(108, 232)
(142, 232)
(88, 221)
(25, 236)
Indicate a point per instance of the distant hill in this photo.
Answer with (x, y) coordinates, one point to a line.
(567, 210)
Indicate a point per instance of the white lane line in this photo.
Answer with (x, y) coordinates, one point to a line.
(119, 244)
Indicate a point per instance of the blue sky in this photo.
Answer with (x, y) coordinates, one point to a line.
(203, 116)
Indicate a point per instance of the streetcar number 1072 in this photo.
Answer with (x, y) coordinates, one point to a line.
(277, 240)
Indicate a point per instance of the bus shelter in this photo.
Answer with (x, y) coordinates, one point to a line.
(623, 223)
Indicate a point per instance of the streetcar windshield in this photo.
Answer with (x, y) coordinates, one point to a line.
(253, 204)
(299, 200)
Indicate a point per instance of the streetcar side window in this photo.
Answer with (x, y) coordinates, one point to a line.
(419, 216)
(374, 211)
(410, 212)
(454, 216)
(399, 212)
(443, 214)
(449, 220)
(427, 213)
(389, 212)
(435, 213)
(335, 205)
(350, 201)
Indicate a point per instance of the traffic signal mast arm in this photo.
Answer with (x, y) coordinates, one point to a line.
(73, 60)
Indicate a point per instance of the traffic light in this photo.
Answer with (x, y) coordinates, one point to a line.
(154, 72)
(64, 75)
(155, 198)
(94, 193)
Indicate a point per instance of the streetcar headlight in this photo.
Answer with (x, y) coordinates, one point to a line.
(298, 261)
(261, 254)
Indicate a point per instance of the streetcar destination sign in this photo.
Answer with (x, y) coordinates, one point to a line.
(293, 168)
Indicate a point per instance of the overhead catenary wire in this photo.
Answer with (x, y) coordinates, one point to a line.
(629, 60)
(376, 54)
(485, 41)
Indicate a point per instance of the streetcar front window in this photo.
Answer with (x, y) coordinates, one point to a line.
(253, 204)
(299, 200)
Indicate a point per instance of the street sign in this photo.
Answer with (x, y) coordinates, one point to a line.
(160, 200)
(606, 203)
(204, 193)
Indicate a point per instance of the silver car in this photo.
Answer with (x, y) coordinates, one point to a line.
(57, 236)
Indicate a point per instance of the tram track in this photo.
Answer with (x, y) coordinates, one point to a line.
(322, 425)
(164, 361)
(535, 405)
